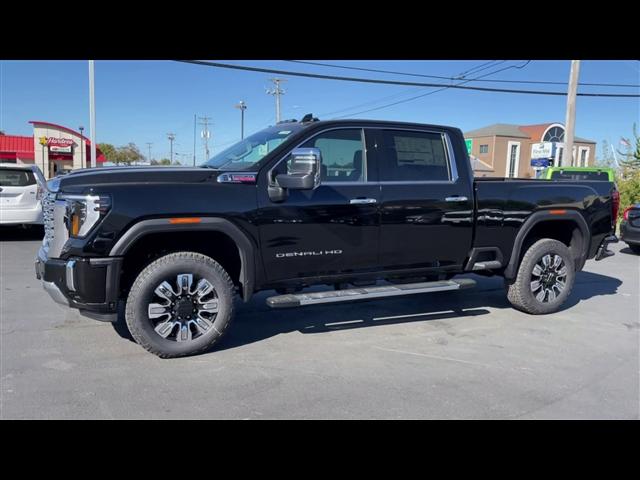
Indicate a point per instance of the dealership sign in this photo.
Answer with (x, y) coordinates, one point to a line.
(540, 162)
(60, 145)
(543, 150)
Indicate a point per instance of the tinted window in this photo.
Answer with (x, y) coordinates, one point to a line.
(11, 177)
(412, 156)
(342, 155)
(604, 176)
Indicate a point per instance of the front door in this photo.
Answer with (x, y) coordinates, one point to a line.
(426, 209)
(331, 230)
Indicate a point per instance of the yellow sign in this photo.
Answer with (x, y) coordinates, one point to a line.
(43, 140)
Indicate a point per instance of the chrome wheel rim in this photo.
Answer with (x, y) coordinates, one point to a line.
(548, 278)
(185, 311)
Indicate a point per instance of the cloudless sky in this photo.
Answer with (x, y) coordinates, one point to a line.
(141, 101)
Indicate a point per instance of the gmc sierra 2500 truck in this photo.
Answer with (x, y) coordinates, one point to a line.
(374, 208)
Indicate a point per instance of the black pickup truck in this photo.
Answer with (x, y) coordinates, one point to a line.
(373, 208)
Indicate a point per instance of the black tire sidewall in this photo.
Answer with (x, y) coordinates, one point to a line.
(167, 268)
(532, 257)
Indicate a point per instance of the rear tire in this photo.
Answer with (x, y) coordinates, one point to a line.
(545, 278)
(168, 312)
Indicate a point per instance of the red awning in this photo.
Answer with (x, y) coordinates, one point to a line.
(16, 146)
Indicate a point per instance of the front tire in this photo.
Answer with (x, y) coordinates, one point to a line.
(545, 278)
(180, 304)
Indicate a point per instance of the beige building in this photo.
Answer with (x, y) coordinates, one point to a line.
(504, 150)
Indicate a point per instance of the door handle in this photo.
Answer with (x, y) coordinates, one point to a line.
(457, 198)
(360, 201)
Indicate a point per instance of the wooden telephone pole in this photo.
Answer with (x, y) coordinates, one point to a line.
(570, 122)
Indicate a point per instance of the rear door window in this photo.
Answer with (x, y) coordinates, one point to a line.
(409, 156)
(13, 177)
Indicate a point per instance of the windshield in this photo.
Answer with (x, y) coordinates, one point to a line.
(245, 154)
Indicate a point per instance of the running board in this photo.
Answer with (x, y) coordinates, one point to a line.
(301, 299)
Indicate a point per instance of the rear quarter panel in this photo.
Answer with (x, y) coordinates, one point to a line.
(503, 206)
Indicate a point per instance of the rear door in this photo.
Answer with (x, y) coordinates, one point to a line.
(18, 188)
(426, 208)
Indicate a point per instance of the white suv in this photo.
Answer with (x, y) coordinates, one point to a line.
(21, 188)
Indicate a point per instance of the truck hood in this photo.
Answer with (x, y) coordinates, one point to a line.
(131, 175)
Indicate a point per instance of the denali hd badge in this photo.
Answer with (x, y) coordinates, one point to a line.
(307, 254)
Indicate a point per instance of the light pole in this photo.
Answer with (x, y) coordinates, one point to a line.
(242, 106)
(92, 113)
(81, 147)
(43, 142)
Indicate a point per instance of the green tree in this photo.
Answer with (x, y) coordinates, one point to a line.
(129, 154)
(164, 161)
(629, 188)
(631, 161)
(109, 152)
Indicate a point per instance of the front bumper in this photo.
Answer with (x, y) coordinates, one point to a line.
(629, 233)
(88, 284)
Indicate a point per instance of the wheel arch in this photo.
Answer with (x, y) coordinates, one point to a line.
(246, 250)
(547, 219)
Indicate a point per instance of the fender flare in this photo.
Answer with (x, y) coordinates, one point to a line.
(212, 224)
(545, 216)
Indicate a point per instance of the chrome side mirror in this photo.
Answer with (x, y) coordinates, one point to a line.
(304, 170)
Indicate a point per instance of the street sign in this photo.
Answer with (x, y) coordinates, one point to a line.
(540, 162)
(469, 143)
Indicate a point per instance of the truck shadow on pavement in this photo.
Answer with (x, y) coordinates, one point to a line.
(14, 234)
(628, 251)
(255, 321)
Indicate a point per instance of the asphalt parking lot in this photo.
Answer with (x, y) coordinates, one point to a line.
(455, 355)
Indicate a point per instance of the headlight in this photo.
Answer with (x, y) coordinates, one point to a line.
(83, 212)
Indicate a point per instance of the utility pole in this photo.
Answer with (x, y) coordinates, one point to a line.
(149, 147)
(242, 106)
(194, 140)
(277, 92)
(570, 122)
(171, 137)
(92, 114)
(205, 134)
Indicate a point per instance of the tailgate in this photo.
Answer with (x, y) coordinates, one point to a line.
(18, 188)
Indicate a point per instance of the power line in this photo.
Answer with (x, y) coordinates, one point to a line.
(402, 93)
(435, 91)
(391, 82)
(459, 77)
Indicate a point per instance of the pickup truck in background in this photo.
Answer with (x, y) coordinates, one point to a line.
(373, 208)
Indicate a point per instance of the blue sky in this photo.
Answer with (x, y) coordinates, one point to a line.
(140, 101)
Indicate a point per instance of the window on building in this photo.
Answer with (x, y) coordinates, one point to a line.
(484, 148)
(583, 157)
(555, 134)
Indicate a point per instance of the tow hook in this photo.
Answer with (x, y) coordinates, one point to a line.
(603, 251)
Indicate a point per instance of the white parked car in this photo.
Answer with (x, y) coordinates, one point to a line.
(21, 188)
